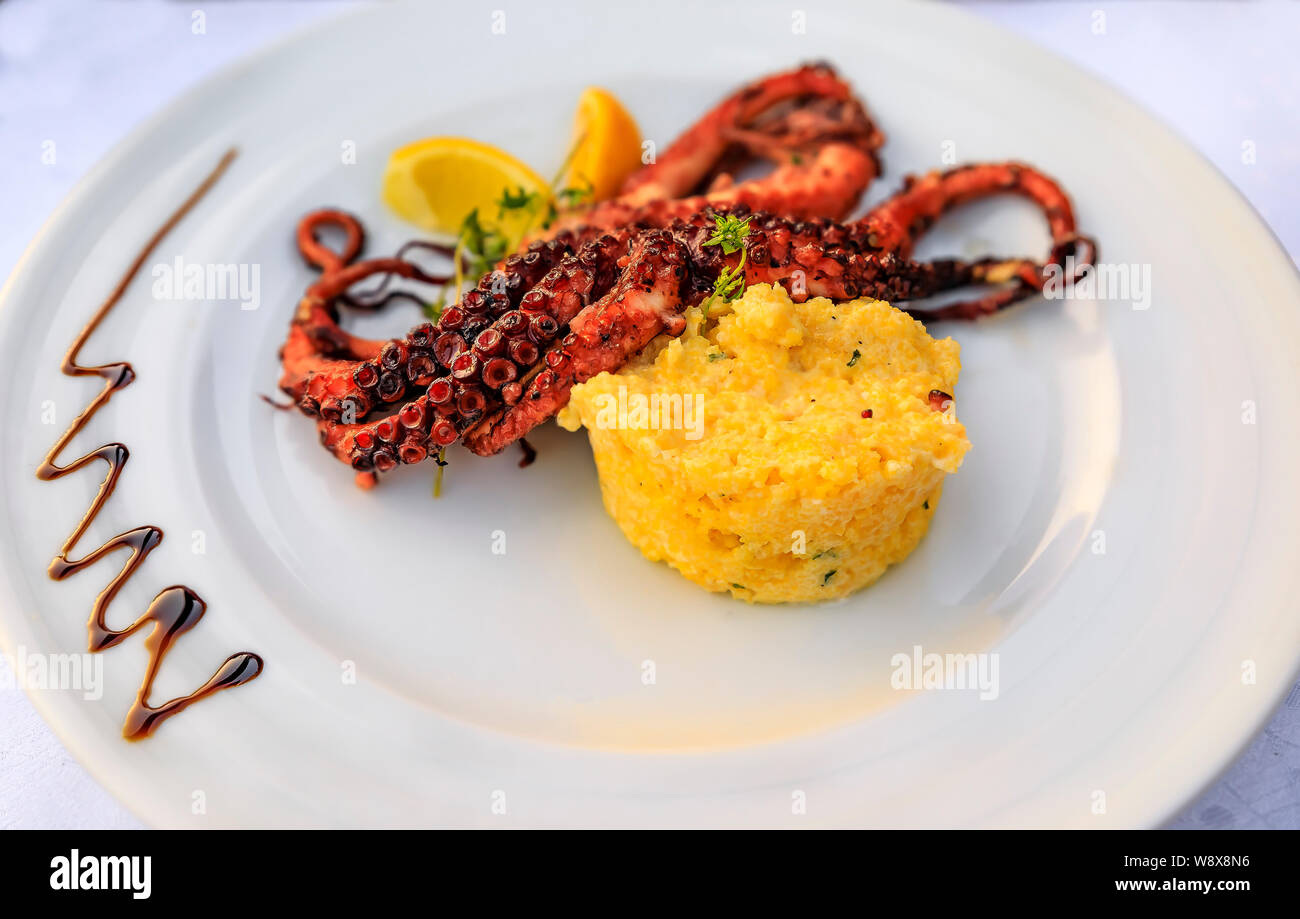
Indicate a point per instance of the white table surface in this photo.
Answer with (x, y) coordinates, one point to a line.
(83, 73)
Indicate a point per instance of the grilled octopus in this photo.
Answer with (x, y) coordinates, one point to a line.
(603, 282)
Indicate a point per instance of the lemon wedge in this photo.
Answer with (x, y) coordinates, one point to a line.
(436, 182)
(607, 144)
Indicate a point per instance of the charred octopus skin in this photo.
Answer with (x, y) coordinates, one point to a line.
(819, 139)
(645, 301)
(500, 362)
(475, 359)
(604, 282)
(806, 122)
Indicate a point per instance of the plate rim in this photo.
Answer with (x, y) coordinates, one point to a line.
(135, 138)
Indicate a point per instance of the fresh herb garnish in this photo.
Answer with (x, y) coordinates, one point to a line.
(517, 201)
(572, 196)
(485, 246)
(566, 199)
(478, 248)
(730, 234)
(480, 244)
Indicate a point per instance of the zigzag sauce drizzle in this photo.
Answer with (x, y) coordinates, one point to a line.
(176, 609)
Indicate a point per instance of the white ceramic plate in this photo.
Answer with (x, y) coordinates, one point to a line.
(517, 678)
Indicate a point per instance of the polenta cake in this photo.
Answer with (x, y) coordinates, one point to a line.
(807, 452)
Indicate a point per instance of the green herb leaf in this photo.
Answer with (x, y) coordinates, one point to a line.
(729, 233)
(572, 195)
(481, 245)
(854, 359)
(729, 286)
(471, 231)
(517, 201)
(830, 574)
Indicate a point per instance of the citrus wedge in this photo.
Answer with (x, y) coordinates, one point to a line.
(435, 183)
(607, 144)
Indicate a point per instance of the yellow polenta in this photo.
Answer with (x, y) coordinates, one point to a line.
(816, 462)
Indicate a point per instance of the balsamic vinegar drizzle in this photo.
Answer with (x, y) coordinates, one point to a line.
(176, 609)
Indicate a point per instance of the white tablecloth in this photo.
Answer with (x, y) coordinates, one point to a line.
(83, 73)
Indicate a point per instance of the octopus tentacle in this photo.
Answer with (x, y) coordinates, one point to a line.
(321, 256)
(492, 369)
(384, 371)
(646, 301)
(806, 122)
(898, 223)
(901, 220)
(820, 258)
(690, 161)
(1024, 277)
(478, 367)
(316, 341)
(601, 282)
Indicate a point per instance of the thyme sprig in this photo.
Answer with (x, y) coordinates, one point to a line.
(730, 234)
